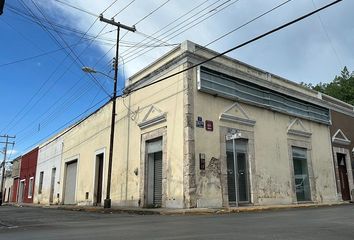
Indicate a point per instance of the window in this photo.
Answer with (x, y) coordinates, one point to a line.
(41, 174)
(30, 187)
(301, 176)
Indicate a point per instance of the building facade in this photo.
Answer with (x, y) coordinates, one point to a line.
(84, 160)
(27, 176)
(342, 137)
(247, 137)
(220, 134)
(8, 187)
(47, 181)
(16, 167)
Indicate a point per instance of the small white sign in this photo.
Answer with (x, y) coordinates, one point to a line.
(233, 136)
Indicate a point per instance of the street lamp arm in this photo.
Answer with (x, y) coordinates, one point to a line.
(91, 70)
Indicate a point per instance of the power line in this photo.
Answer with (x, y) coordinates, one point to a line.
(132, 51)
(248, 22)
(64, 105)
(30, 18)
(7, 142)
(71, 127)
(328, 38)
(126, 6)
(175, 21)
(129, 91)
(136, 45)
(77, 8)
(146, 16)
(108, 7)
(28, 102)
(195, 22)
(245, 24)
(81, 121)
(76, 57)
(152, 12)
(12, 122)
(35, 56)
(87, 46)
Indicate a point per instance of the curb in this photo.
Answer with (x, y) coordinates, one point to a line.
(193, 211)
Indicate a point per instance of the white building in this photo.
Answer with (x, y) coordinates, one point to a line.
(47, 183)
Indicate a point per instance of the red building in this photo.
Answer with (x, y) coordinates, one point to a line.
(27, 177)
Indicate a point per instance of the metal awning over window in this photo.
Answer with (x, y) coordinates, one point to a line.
(223, 85)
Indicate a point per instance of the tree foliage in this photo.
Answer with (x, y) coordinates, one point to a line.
(342, 87)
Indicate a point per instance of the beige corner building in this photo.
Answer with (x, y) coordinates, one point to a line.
(218, 135)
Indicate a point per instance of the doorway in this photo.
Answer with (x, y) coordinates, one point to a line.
(343, 176)
(98, 180)
(154, 173)
(70, 183)
(301, 174)
(237, 172)
(52, 184)
(21, 191)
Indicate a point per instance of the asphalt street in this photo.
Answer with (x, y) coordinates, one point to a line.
(43, 223)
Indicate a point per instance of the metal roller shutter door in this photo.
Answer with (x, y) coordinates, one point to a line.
(158, 179)
(70, 183)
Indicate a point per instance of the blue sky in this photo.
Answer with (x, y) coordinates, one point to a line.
(42, 94)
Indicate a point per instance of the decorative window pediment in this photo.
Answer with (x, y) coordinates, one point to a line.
(340, 138)
(153, 116)
(235, 113)
(297, 128)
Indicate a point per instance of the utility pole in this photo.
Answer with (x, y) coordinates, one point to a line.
(107, 201)
(6, 142)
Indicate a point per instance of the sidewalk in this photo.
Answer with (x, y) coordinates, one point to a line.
(169, 211)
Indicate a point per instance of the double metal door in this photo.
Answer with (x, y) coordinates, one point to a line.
(237, 171)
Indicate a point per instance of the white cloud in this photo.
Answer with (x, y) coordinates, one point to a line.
(11, 152)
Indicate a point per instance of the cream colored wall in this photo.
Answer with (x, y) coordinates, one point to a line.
(83, 142)
(272, 178)
(167, 96)
(156, 65)
(322, 161)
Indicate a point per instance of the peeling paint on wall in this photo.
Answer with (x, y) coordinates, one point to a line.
(209, 185)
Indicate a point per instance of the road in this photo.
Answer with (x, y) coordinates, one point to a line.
(43, 223)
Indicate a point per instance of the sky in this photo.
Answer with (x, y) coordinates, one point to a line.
(45, 43)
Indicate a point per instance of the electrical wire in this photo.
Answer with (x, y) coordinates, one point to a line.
(124, 8)
(131, 90)
(41, 87)
(71, 30)
(248, 22)
(152, 12)
(76, 57)
(77, 8)
(35, 56)
(69, 128)
(205, 15)
(328, 38)
(108, 7)
(64, 106)
(175, 21)
(146, 16)
(236, 47)
(55, 137)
